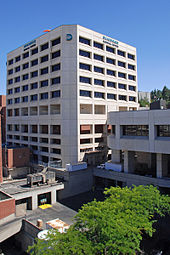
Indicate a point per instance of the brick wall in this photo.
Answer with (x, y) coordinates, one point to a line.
(7, 207)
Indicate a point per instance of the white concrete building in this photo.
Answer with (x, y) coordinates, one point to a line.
(60, 87)
(140, 143)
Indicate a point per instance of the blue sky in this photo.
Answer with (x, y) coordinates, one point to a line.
(143, 24)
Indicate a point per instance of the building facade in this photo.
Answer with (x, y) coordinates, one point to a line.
(60, 87)
(140, 144)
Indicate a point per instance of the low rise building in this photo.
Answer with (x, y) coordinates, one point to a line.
(140, 142)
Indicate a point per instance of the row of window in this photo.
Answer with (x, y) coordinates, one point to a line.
(110, 72)
(34, 74)
(111, 84)
(102, 95)
(108, 48)
(101, 58)
(34, 139)
(43, 129)
(34, 62)
(42, 96)
(143, 130)
(35, 50)
(34, 85)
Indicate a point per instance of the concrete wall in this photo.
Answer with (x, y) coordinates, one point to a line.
(77, 182)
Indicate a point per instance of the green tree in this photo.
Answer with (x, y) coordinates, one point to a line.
(144, 102)
(114, 226)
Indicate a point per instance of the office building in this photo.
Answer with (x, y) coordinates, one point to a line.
(60, 87)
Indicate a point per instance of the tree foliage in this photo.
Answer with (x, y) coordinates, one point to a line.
(144, 102)
(161, 94)
(113, 226)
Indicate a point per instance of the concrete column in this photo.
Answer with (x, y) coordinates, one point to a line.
(53, 197)
(129, 161)
(159, 165)
(126, 168)
(116, 156)
(34, 201)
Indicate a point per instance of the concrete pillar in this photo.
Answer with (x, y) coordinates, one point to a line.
(129, 161)
(116, 156)
(126, 168)
(159, 165)
(53, 197)
(34, 201)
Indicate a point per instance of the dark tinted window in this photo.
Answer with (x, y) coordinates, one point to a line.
(121, 53)
(10, 62)
(55, 42)
(34, 51)
(99, 95)
(84, 66)
(111, 84)
(55, 94)
(34, 74)
(55, 54)
(85, 79)
(44, 83)
(17, 58)
(110, 61)
(25, 66)
(98, 82)
(44, 70)
(55, 80)
(84, 40)
(111, 72)
(130, 56)
(131, 77)
(10, 71)
(25, 88)
(85, 93)
(26, 55)
(122, 64)
(44, 46)
(84, 53)
(44, 96)
(109, 49)
(25, 76)
(111, 96)
(121, 86)
(34, 85)
(98, 69)
(44, 58)
(122, 75)
(98, 45)
(34, 62)
(55, 67)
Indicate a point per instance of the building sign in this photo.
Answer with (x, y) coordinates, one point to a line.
(69, 37)
(29, 45)
(110, 41)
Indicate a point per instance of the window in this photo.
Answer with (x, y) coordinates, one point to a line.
(25, 88)
(44, 96)
(85, 66)
(17, 100)
(9, 101)
(55, 54)
(133, 99)
(98, 82)
(122, 64)
(55, 94)
(10, 81)
(122, 97)
(25, 99)
(25, 77)
(111, 96)
(17, 69)
(17, 58)
(85, 79)
(111, 84)
(130, 56)
(56, 151)
(55, 67)
(33, 139)
(131, 67)
(84, 40)
(99, 95)
(98, 69)
(44, 58)
(55, 80)
(34, 97)
(98, 45)
(85, 93)
(98, 57)
(10, 62)
(55, 41)
(10, 91)
(109, 49)
(55, 129)
(17, 90)
(44, 70)
(34, 51)
(10, 71)
(122, 75)
(84, 53)
(121, 53)
(131, 77)
(25, 66)
(34, 74)
(110, 61)
(99, 129)
(34, 85)
(17, 79)
(44, 46)
(44, 83)
(26, 55)
(85, 140)
(99, 140)
(132, 88)
(111, 72)
(135, 130)
(34, 62)
(121, 86)
(163, 131)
